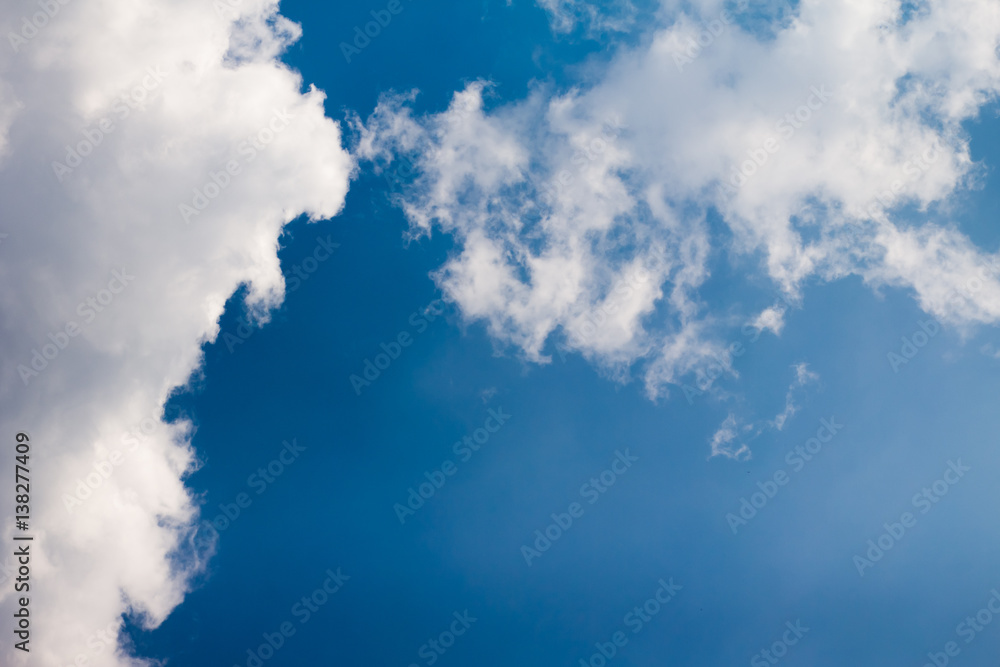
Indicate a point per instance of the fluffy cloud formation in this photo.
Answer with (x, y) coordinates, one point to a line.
(152, 153)
(583, 216)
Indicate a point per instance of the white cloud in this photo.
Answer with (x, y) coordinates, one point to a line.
(735, 429)
(806, 135)
(770, 319)
(803, 376)
(722, 440)
(129, 546)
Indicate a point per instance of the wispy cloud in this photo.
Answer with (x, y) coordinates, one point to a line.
(736, 429)
(803, 376)
(722, 441)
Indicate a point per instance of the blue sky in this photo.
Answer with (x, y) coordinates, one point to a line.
(777, 444)
(664, 519)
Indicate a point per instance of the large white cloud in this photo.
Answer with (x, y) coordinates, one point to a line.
(809, 131)
(152, 153)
